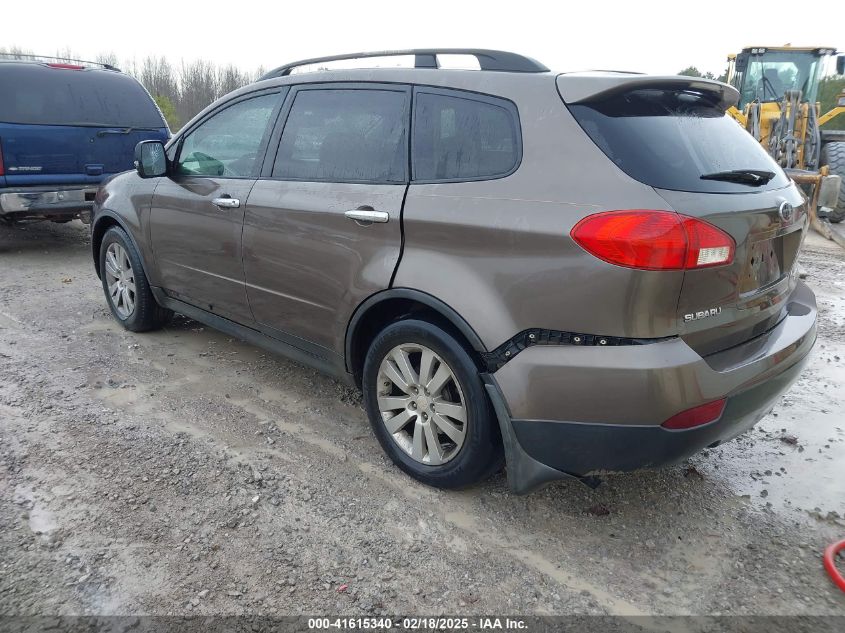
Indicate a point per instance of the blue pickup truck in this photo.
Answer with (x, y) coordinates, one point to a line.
(64, 128)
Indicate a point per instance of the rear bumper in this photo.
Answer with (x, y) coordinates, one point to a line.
(583, 411)
(55, 200)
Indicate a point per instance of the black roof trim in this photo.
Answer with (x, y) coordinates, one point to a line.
(501, 61)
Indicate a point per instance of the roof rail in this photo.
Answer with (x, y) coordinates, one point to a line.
(12, 57)
(427, 58)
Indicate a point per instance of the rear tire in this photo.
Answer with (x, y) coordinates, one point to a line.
(125, 285)
(428, 407)
(833, 155)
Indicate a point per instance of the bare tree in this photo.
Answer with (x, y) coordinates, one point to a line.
(159, 79)
(130, 67)
(230, 78)
(66, 54)
(15, 52)
(109, 59)
(199, 87)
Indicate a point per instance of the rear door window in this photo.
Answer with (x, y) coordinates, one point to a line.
(345, 135)
(228, 143)
(669, 138)
(37, 94)
(462, 136)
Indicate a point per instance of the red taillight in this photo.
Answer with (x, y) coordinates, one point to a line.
(702, 414)
(67, 66)
(653, 240)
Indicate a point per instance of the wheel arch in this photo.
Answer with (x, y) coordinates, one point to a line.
(388, 306)
(104, 221)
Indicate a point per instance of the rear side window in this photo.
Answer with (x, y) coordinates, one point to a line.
(668, 139)
(36, 94)
(463, 138)
(345, 136)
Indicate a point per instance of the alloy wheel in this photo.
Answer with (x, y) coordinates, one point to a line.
(422, 404)
(120, 279)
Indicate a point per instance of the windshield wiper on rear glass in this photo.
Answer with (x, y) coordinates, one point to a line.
(752, 177)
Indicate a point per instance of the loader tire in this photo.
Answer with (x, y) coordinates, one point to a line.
(833, 155)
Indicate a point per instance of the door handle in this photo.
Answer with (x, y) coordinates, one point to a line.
(226, 203)
(367, 215)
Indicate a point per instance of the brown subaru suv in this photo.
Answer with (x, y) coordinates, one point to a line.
(568, 274)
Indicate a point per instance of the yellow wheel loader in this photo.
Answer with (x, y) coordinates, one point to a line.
(779, 88)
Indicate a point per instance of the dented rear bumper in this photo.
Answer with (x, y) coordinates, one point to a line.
(581, 411)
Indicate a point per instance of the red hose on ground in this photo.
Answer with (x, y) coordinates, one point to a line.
(830, 566)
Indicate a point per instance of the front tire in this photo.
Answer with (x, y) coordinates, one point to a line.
(428, 407)
(125, 285)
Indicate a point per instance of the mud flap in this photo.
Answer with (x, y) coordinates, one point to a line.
(525, 474)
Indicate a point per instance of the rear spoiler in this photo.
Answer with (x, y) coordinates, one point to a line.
(599, 85)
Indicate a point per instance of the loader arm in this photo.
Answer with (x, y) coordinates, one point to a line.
(738, 115)
(832, 114)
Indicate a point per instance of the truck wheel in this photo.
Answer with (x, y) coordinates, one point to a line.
(833, 155)
(125, 285)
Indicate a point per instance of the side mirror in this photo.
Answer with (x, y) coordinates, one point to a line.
(150, 159)
(840, 65)
(741, 62)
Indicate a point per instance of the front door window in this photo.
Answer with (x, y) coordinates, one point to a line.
(227, 144)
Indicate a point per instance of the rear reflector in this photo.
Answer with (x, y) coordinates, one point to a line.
(67, 66)
(702, 414)
(653, 240)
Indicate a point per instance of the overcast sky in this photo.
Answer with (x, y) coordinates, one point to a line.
(642, 35)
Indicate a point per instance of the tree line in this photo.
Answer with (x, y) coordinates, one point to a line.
(180, 90)
(183, 90)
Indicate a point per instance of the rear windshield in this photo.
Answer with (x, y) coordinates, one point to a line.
(38, 94)
(668, 139)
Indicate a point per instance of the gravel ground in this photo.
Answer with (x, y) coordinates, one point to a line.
(184, 472)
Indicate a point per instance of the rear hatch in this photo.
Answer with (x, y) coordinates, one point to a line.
(673, 134)
(69, 124)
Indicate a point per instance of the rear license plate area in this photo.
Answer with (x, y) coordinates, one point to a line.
(765, 265)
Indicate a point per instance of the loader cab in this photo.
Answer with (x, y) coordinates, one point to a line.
(766, 74)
